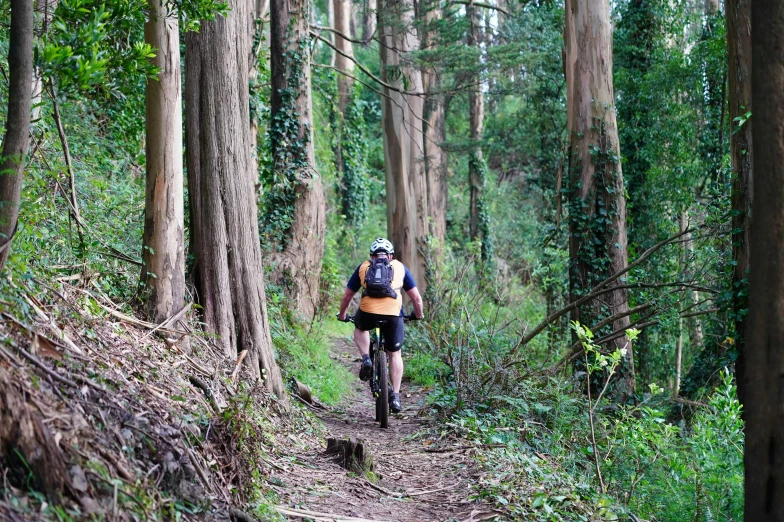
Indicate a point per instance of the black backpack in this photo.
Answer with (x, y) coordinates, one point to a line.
(378, 279)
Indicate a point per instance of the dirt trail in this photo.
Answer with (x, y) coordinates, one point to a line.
(413, 480)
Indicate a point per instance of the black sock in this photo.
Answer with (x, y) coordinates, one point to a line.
(365, 357)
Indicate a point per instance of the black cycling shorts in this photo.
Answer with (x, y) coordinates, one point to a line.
(392, 330)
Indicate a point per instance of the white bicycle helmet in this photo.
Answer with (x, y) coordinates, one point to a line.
(381, 245)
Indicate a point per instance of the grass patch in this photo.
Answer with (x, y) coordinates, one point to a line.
(305, 355)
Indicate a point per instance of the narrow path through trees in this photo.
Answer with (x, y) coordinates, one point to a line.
(412, 479)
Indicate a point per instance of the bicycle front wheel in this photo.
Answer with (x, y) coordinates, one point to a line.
(382, 401)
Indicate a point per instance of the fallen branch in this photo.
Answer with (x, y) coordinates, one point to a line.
(237, 365)
(319, 517)
(596, 290)
(168, 322)
(207, 392)
(482, 4)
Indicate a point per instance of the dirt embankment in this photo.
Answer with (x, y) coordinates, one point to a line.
(102, 418)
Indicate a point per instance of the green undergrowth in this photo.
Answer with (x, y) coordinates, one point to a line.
(532, 427)
(538, 461)
(425, 369)
(305, 353)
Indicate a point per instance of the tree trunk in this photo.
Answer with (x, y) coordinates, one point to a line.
(742, 156)
(45, 9)
(343, 10)
(401, 119)
(228, 269)
(163, 247)
(477, 170)
(370, 18)
(764, 407)
(434, 131)
(299, 265)
(350, 146)
(597, 207)
(17, 124)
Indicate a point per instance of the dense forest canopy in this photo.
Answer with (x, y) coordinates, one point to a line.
(569, 183)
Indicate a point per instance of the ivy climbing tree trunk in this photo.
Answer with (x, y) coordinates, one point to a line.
(17, 122)
(401, 119)
(228, 270)
(298, 266)
(738, 15)
(434, 111)
(163, 246)
(764, 408)
(597, 208)
(477, 170)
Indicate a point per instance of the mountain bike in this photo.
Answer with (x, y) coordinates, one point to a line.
(379, 379)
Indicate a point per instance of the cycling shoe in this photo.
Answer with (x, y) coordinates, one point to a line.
(366, 370)
(395, 406)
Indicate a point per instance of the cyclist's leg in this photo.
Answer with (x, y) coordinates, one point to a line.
(362, 340)
(362, 332)
(393, 337)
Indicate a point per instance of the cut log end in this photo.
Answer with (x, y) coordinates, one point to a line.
(351, 453)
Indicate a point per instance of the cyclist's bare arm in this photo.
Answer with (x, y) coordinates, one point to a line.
(416, 300)
(348, 295)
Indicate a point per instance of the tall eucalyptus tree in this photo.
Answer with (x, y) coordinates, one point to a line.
(597, 207)
(163, 246)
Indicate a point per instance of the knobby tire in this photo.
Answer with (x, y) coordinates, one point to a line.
(382, 401)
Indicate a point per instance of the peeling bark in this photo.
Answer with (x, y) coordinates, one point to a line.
(434, 113)
(163, 252)
(402, 118)
(595, 179)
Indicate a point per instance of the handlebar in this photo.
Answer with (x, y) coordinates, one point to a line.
(406, 318)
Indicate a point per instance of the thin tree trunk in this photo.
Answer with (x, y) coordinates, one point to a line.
(342, 9)
(476, 109)
(17, 123)
(401, 118)
(299, 265)
(163, 245)
(58, 122)
(434, 130)
(45, 9)
(331, 23)
(742, 156)
(683, 225)
(228, 268)
(370, 18)
(342, 15)
(597, 213)
(764, 407)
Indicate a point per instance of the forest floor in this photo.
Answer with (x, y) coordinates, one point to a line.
(417, 475)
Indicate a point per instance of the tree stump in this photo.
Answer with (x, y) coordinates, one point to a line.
(351, 453)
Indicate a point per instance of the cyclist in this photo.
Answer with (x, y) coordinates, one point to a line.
(389, 309)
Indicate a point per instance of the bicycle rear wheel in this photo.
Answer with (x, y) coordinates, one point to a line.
(382, 401)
